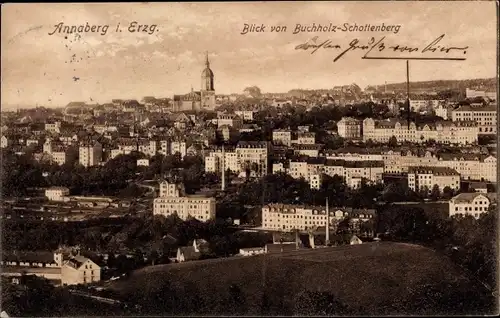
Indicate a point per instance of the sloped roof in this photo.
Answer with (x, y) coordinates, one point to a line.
(189, 253)
(469, 197)
(29, 256)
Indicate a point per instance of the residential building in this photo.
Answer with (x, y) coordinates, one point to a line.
(213, 161)
(473, 204)
(173, 200)
(447, 132)
(349, 128)
(56, 193)
(470, 93)
(30, 142)
(354, 154)
(231, 120)
(227, 132)
(178, 147)
(247, 115)
(356, 171)
(306, 138)
(417, 105)
(4, 141)
(80, 270)
(442, 111)
(164, 147)
(470, 166)
(148, 147)
(315, 181)
(53, 127)
(289, 217)
(307, 150)
(253, 155)
(283, 137)
(486, 117)
(58, 154)
(426, 177)
(90, 153)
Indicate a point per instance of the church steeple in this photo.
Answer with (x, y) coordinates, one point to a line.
(207, 76)
(207, 63)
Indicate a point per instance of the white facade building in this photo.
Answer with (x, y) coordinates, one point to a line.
(90, 154)
(173, 200)
(57, 193)
(473, 204)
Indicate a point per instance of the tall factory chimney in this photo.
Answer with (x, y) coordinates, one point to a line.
(408, 91)
(223, 186)
(327, 228)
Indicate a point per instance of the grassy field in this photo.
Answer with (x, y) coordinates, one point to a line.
(370, 279)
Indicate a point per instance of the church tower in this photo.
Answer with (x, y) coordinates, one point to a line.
(207, 87)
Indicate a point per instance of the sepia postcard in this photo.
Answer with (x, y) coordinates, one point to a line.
(323, 158)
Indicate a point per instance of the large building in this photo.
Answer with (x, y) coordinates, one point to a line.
(420, 178)
(446, 132)
(231, 120)
(173, 200)
(349, 128)
(90, 154)
(470, 166)
(80, 270)
(253, 156)
(282, 137)
(470, 93)
(352, 171)
(289, 217)
(473, 204)
(198, 100)
(56, 193)
(213, 161)
(486, 117)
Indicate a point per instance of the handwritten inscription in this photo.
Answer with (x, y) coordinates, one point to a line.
(331, 27)
(133, 27)
(389, 51)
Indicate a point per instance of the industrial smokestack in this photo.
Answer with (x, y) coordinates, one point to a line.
(408, 91)
(327, 228)
(223, 186)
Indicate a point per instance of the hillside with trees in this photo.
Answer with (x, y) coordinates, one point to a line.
(442, 85)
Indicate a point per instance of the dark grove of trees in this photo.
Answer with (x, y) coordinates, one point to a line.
(37, 297)
(157, 238)
(469, 242)
(245, 203)
(20, 173)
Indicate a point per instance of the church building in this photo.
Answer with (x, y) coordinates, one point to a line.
(199, 100)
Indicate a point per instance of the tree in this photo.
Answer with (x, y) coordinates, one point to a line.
(435, 192)
(423, 192)
(344, 226)
(393, 142)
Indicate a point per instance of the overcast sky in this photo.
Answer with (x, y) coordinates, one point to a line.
(40, 68)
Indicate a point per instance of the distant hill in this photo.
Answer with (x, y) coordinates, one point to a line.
(487, 84)
(370, 279)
